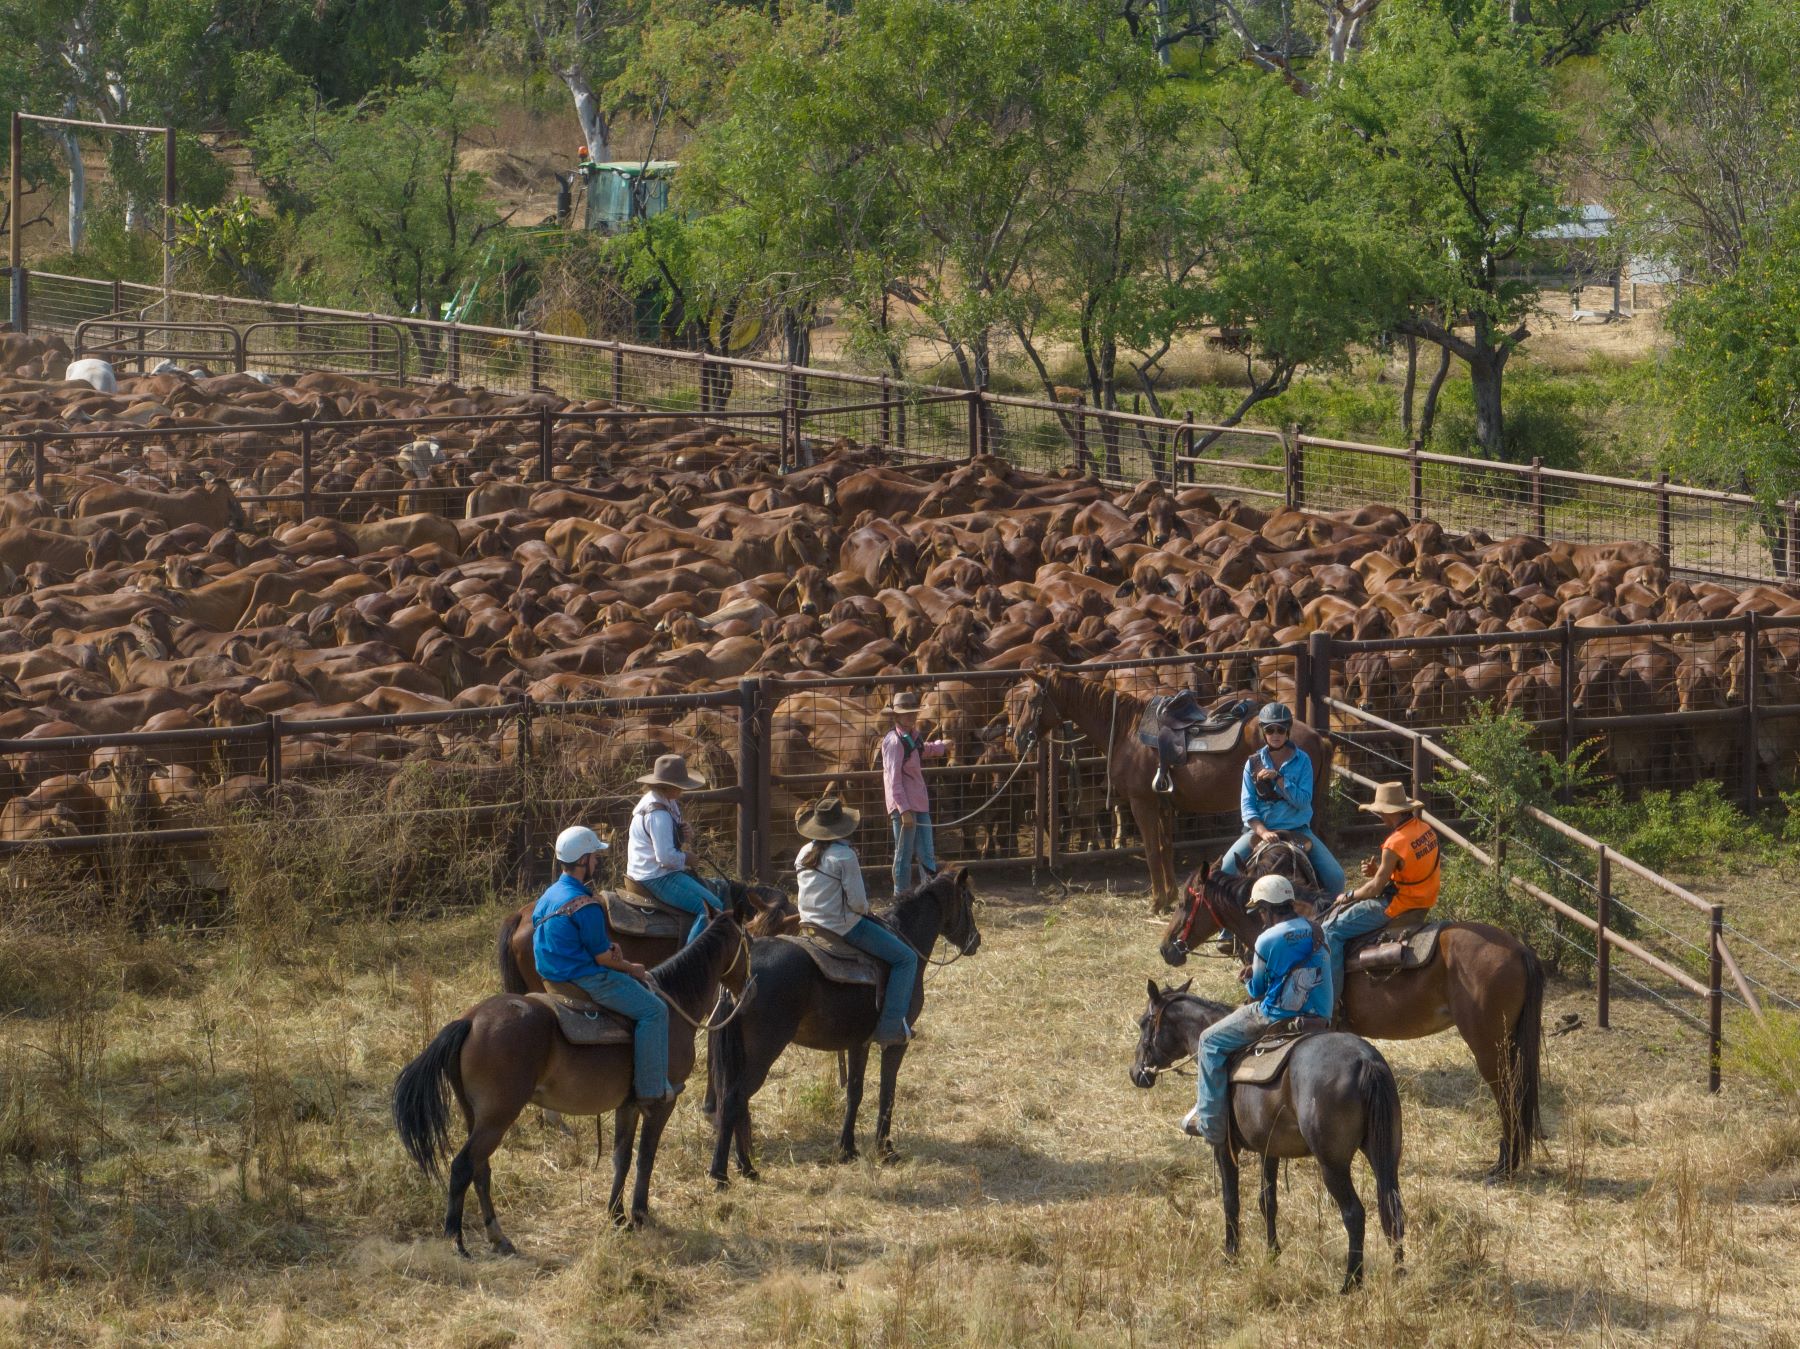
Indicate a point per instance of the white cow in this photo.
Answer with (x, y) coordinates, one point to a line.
(95, 372)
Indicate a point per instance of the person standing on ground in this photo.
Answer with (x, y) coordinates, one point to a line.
(903, 780)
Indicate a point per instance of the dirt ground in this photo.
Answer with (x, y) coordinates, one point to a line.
(194, 1149)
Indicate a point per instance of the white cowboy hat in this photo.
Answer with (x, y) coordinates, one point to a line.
(671, 770)
(903, 702)
(576, 842)
(1391, 799)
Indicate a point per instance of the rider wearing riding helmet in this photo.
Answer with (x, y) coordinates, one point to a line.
(1290, 977)
(1402, 880)
(571, 944)
(1277, 794)
(656, 857)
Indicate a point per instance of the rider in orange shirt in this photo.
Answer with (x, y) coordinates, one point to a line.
(1402, 879)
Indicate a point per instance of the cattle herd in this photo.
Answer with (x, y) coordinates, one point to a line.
(156, 575)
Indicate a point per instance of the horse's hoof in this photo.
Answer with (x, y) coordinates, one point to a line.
(887, 1157)
(505, 1247)
(750, 1173)
(846, 1155)
(719, 1182)
(638, 1218)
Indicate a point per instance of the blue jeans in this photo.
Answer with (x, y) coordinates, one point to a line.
(909, 843)
(1219, 1042)
(1354, 920)
(619, 992)
(903, 971)
(1325, 866)
(685, 891)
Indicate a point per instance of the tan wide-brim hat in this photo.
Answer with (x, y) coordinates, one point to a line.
(1391, 799)
(826, 820)
(671, 770)
(903, 702)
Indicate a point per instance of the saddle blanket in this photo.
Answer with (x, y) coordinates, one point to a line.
(641, 914)
(583, 1023)
(1400, 947)
(836, 958)
(1195, 731)
(1264, 1062)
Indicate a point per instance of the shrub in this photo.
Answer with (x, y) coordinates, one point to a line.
(1663, 829)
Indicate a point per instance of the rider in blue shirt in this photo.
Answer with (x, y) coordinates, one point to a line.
(1277, 794)
(1291, 977)
(571, 944)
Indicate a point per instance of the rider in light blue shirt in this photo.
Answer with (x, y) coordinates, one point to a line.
(1277, 794)
(1291, 977)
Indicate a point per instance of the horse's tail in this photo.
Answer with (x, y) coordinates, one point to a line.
(1524, 1050)
(511, 980)
(421, 1113)
(725, 1059)
(1381, 1142)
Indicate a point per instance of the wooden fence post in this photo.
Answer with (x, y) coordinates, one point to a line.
(545, 446)
(1421, 766)
(1417, 475)
(1602, 949)
(1664, 522)
(1537, 496)
(1715, 997)
(887, 413)
(1568, 700)
(1752, 678)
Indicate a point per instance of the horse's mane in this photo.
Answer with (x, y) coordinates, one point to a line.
(938, 888)
(685, 974)
(1237, 888)
(1214, 1009)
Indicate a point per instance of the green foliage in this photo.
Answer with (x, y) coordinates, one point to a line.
(1769, 1052)
(1697, 827)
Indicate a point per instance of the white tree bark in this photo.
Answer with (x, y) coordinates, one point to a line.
(77, 189)
(587, 112)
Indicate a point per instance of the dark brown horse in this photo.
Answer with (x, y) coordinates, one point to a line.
(507, 1053)
(1205, 784)
(795, 1004)
(774, 912)
(1485, 982)
(1336, 1097)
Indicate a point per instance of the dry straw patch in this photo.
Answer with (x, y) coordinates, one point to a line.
(209, 1160)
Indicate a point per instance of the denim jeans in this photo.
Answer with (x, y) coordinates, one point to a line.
(1219, 1042)
(1366, 915)
(910, 842)
(1325, 866)
(619, 992)
(685, 891)
(903, 970)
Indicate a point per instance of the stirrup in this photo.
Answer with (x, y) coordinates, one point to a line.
(1162, 782)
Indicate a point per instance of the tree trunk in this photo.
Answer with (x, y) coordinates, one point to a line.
(588, 114)
(77, 189)
(1484, 376)
(1428, 415)
(1412, 383)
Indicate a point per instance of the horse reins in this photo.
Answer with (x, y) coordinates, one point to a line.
(1156, 1030)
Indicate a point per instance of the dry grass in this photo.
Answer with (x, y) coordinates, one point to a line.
(206, 1158)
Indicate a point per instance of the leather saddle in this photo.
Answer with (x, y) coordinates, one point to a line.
(1401, 945)
(581, 1020)
(637, 913)
(1263, 1061)
(836, 958)
(1178, 726)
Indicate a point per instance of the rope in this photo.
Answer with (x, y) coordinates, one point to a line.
(998, 792)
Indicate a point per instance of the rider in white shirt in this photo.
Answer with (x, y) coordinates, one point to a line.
(655, 855)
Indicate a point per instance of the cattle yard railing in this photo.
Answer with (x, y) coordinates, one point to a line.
(1698, 530)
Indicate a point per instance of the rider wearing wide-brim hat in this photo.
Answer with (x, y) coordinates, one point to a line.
(1277, 795)
(572, 944)
(1290, 977)
(1401, 880)
(903, 785)
(833, 897)
(656, 845)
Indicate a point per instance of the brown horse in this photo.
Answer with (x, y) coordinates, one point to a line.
(1485, 982)
(774, 914)
(507, 1053)
(1205, 784)
(1335, 1098)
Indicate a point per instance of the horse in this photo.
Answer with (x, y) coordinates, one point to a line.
(1336, 1097)
(507, 1053)
(796, 1004)
(1485, 982)
(774, 913)
(1204, 784)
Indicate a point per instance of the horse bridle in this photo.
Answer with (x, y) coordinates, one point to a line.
(1156, 1031)
(1198, 896)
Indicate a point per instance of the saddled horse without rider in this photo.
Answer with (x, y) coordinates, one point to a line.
(1485, 982)
(1332, 1096)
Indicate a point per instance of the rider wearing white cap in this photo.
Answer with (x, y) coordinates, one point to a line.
(1291, 977)
(572, 945)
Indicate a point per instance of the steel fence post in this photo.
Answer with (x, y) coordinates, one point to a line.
(1318, 659)
(1602, 949)
(1296, 461)
(545, 449)
(618, 373)
(749, 814)
(1416, 480)
(37, 464)
(15, 274)
(887, 412)
(273, 767)
(1568, 700)
(1082, 460)
(974, 401)
(768, 699)
(1537, 495)
(306, 469)
(1752, 677)
(522, 822)
(1183, 439)
(1791, 508)
(1664, 523)
(1421, 766)
(537, 361)
(1715, 997)
(1052, 808)
(1040, 804)
(453, 355)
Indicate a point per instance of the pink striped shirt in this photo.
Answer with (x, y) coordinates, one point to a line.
(901, 773)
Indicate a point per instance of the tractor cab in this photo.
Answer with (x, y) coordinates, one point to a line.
(617, 195)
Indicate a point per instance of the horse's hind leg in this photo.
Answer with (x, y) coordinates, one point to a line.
(856, 1068)
(625, 1124)
(490, 1221)
(884, 1115)
(1266, 1200)
(471, 1164)
(1342, 1189)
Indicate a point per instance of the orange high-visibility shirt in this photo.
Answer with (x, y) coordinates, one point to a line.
(1416, 876)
